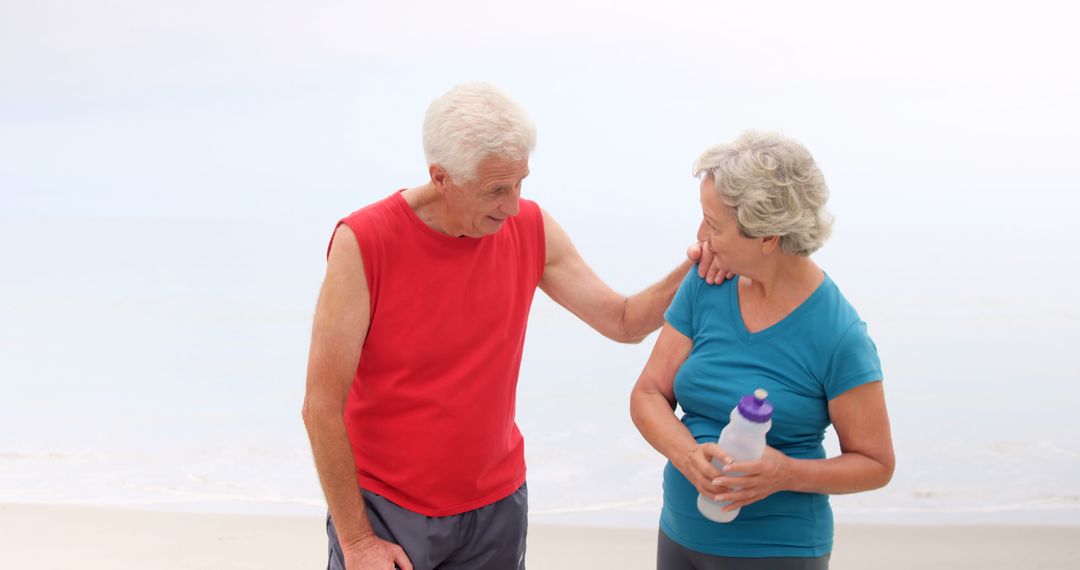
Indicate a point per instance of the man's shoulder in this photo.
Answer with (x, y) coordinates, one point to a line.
(378, 209)
(370, 223)
(529, 215)
(530, 206)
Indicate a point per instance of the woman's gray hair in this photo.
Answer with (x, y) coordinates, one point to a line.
(775, 188)
(471, 122)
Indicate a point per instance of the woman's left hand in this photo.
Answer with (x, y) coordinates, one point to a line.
(756, 480)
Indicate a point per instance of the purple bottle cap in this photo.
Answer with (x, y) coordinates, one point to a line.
(754, 407)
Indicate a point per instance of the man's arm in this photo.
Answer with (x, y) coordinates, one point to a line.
(573, 284)
(341, 322)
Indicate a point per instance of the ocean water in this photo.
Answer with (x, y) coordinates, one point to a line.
(160, 364)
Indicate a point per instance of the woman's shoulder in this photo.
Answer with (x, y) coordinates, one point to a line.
(703, 292)
(693, 277)
(837, 304)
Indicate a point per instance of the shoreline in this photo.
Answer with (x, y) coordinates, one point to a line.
(60, 536)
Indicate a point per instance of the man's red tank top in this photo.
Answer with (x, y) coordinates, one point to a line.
(431, 411)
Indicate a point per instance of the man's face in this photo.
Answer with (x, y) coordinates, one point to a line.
(482, 206)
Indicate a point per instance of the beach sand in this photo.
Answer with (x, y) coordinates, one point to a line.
(63, 537)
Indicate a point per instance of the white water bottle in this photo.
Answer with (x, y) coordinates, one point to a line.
(743, 439)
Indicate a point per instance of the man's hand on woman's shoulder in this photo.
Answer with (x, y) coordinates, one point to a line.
(709, 265)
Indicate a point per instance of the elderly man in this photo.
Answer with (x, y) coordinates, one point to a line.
(417, 343)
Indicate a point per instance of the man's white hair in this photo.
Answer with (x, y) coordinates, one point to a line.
(775, 188)
(472, 122)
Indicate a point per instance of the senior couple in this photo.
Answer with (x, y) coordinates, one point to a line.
(420, 324)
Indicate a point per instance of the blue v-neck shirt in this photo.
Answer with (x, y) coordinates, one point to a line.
(814, 354)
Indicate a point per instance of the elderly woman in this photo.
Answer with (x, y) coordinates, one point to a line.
(781, 325)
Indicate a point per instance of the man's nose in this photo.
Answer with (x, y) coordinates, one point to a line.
(701, 231)
(512, 205)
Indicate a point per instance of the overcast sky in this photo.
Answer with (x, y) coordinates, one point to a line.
(290, 109)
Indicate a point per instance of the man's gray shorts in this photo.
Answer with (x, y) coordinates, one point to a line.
(491, 537)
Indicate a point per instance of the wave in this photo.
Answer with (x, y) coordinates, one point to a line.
(1041, 503)
(642, 503)
(49, 457)
(212, 497)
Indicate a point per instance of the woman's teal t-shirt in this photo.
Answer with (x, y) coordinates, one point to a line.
(817, 352)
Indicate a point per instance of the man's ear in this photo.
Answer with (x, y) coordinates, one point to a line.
(439, 177)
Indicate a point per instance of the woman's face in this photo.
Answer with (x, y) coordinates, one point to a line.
(720, 231)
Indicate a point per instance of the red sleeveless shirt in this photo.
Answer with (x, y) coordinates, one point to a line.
(431, 411)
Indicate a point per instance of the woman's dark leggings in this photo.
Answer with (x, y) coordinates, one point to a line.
(671, 555)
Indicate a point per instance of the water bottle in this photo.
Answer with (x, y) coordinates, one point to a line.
(743, 439)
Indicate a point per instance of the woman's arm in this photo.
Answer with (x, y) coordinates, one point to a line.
(865, 462)
(652, 403)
